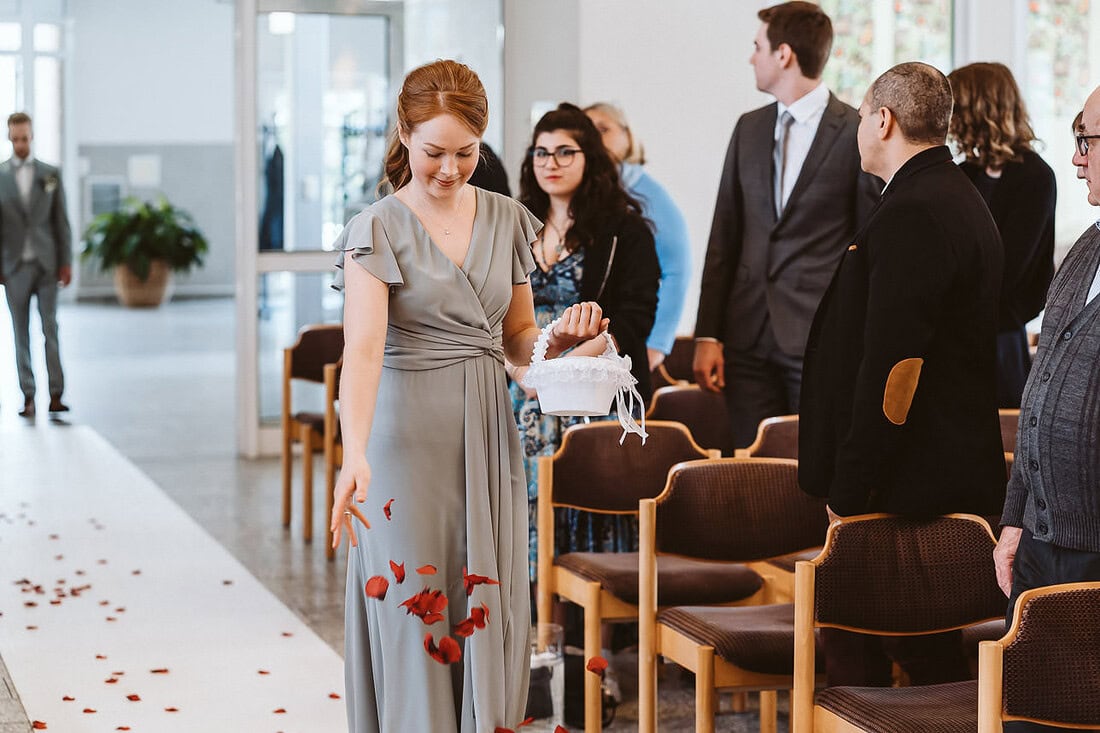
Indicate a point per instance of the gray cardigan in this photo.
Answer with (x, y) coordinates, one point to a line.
(1054, 490)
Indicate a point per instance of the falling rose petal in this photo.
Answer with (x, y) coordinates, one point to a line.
(38, 725)
(334, 696)
(526, 722)
(100, 656)
(67, 698)
(376, 587)
(110, 680)
(448, 651)
(101, 561)
(561, 729)
(171, 710)
(427, 605)
(471, 581)
(55, 537)
(135, 572)
(280, 711)
(55, 602)
(227, 582)
(32, 628)
(58, 557)
(89, 710)
(263, 671)
(120, 610)
(79, 572)
(112, 618)
(464, 628)
(134, 698)
(287, 634)
(162, 670)
(426, 570)
(477, 620)
(596, 665)
(432, 618)
(398, 572)
(123, 727)
(498, 729)
(104, 603)
(386, 509)
(117, 674)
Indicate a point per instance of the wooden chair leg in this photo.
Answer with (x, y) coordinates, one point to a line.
(288, 460)
(739, 702)
(769, 706)
(307, 483)
(704, 690)
(593, 708)
(330, 485)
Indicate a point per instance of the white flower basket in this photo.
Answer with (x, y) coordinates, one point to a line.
(585, 386)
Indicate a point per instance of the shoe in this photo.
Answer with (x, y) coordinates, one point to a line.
(28, 409)
(57, 406)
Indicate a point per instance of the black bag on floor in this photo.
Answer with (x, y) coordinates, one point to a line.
(574, 693)
(539, 702)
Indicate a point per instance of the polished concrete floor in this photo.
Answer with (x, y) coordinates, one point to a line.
(159, 386)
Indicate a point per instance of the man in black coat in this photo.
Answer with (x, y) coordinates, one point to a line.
(899, 409)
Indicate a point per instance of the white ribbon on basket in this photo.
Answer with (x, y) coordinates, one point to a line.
(608, 368)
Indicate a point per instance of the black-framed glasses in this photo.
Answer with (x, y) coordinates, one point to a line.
(563, 156)
(1083, 143)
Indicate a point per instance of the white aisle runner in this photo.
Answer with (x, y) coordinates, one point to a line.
(111, 595)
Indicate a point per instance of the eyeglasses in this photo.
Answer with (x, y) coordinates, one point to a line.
(1083, 143)
(563, 156)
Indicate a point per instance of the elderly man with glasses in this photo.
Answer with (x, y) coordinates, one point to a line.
(1051, 519)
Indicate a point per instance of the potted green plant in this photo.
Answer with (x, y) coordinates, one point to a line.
(144, 242)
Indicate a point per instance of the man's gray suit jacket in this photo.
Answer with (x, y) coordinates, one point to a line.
(759, 268)
(44, 220)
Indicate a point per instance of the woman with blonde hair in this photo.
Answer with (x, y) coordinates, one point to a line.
(991, 130)
(670, 231)
(436, 295)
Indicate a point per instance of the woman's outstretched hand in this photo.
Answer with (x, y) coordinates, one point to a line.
(352, 484)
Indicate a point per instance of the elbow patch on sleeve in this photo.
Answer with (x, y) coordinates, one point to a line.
(901, 385)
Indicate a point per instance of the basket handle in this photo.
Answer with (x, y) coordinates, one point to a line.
(542, 343)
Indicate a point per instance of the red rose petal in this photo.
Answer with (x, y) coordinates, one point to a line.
(123, 727)
(67, 698)
(110, 680)
(135, 572)
(427, 605)
(470, 581)
(32, 628)
(334, 696)
(89, 710)
(596, 665)
(498, 729)
(227, 582)
(376, 587)
(426, 570)
(448, 651)
(386, 509)
(171, 710)
(398, 572)
(38, 725)
(561, 729)
(264, 671)
(287, 634)
(100, 656)
(162, 670)
(134, 698)
(526, 722)
(280, 711)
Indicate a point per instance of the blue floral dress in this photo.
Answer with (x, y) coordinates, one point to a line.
(540, 435)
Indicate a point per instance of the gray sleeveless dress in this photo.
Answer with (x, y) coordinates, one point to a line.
(444, 447)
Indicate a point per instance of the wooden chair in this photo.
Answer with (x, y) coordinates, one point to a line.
(678, 363)
(939, 577)
(776, 437)
(1044, 670)
(704, 413)
(1010, 421)
(729, 510)
(333, 444)
(593, 472)
(316, 346)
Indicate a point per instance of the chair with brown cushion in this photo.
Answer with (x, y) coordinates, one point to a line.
(316, 346)
(593, 472)
(1046, 669)
(333, 444)
(885, 575)
(1010, 421)
(704, 413)
(728, 510)
(776, 437)
(678, 363)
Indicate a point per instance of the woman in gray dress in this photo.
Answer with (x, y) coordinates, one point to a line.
(436, 294)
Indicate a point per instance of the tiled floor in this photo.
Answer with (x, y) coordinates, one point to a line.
(158, 385)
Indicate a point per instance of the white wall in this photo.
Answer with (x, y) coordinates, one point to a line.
(152, 72)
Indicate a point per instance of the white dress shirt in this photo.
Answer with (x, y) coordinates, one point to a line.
(24, 179)
(807, 112)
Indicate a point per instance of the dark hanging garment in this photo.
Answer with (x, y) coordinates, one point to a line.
(271, 222)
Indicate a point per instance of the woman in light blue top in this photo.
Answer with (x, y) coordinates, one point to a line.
(670, 229)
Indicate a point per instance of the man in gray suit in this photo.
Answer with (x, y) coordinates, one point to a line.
(791, 195)
(35, 255)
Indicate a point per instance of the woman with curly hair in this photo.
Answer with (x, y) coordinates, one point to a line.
(990, 127)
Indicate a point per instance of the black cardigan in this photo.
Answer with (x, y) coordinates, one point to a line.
(921, 280)
(1023, 206)
(625, 285)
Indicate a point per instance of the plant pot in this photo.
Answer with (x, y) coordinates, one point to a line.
(134, 292)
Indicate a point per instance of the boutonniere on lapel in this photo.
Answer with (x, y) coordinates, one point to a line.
(49, 183)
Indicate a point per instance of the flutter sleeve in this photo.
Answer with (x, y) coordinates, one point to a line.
(364, 240)
(527, 230)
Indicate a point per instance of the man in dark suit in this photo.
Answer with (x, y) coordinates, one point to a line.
(790, 198)
(899, 403)
(35, 255)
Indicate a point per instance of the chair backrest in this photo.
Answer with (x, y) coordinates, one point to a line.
(660, 377)
(1010, 421)
(703, 412)
(737, 510)
(882, 573)
(776, 437)
(317, 345)
(1051, 657)
(679, 361)
(593, 471)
